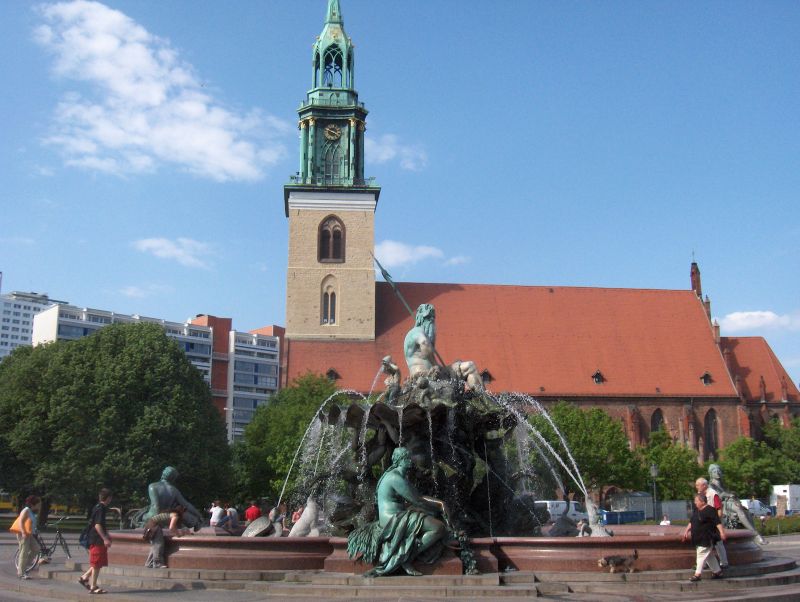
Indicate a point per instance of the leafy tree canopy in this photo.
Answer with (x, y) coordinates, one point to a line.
(111, 409)
(677, 466)
(598, 444)
(263, 459)
(750, 468)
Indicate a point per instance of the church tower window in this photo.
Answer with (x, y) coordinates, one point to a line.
(328, 301)
(333, 163)
(332, 77)
(331, 240)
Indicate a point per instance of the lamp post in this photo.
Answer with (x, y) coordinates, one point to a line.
(654, 474)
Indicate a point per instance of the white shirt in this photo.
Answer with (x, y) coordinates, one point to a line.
(216, 514)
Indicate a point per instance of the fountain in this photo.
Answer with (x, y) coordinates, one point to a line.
(466, 452)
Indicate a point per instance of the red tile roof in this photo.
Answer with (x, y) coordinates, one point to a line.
(750, 359)
(646, 343)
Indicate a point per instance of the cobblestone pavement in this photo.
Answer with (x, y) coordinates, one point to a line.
(13, 590)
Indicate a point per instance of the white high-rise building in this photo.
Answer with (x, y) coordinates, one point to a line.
(63, 322)
(17, 311)
(241, 368)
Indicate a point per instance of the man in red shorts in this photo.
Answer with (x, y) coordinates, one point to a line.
(99, 542)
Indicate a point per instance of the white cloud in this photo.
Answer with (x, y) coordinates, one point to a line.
(759, 320)
(393, 254)
(388, 148)
(140, 292)
(457, 260)
(185, 251)
(17, 241)
(144, 106)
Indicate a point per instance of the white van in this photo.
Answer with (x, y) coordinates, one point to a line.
(556, 508)
(757, 508)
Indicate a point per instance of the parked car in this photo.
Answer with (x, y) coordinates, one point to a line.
(757, 508)
(556, 508)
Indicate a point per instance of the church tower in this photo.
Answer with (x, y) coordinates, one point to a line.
(330, 285)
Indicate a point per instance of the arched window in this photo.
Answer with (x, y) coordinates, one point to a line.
(316, 69)
(711, 435)
(333, 163)
(657, 421)
(331, 240)
(333, 67)
(328, 301)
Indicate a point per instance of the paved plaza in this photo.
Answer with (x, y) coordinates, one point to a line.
(66, 588)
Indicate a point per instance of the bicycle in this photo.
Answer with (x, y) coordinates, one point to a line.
(45, 552)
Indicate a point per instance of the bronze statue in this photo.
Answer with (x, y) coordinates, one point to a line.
(164, 496)
(407, 528)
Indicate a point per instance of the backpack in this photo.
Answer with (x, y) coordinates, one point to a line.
(83, 538)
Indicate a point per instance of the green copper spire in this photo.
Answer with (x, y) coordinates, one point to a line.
(334, 12)
(332, 120)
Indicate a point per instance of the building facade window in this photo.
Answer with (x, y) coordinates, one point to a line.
(711, 435)
(657, 421)
(329, 301)
(331, 240)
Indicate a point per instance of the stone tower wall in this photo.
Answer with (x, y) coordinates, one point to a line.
(355, 277)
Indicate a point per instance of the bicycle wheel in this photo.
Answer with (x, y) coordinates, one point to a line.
(32, 562)
(64, 545)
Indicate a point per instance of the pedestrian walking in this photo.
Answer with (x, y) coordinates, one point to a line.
(714, 500)
(99, 542)
(26, 527)
(703, 530)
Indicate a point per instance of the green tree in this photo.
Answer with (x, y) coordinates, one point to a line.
(111, 409)
(598, 444)
(786, 442)
(677, 466)
(263, 459)
(751, 467)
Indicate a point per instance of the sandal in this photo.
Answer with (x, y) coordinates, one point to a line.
(98, 590)
(695, 578)
(84, 583)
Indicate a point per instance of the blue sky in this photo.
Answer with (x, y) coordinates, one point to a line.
(145, 144)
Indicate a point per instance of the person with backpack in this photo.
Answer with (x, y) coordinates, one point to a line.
(99, 541)
(26, 527)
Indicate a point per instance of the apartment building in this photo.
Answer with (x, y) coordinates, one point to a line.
(240, 368)
(17, 310)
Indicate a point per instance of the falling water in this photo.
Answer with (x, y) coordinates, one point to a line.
(374, 380)
(488, 489)
(400, 428)
(538, 406)
(521, 420)
(433, 457)
(302, 440)
(362, 442)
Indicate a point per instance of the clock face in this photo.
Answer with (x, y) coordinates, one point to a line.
(332, 132)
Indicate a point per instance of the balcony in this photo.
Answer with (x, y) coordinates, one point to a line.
(331, 181)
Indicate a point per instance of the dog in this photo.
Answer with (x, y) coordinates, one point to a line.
(619, 564)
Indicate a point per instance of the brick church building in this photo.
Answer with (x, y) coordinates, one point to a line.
(652, 358)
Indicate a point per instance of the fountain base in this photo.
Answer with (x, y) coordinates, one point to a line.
(658, 548)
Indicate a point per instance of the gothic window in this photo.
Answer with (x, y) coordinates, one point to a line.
(657, 421)
(333, 161)
(328, 316)
(711, 434)
(333, 67)
(331, 240)
(316, 69)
